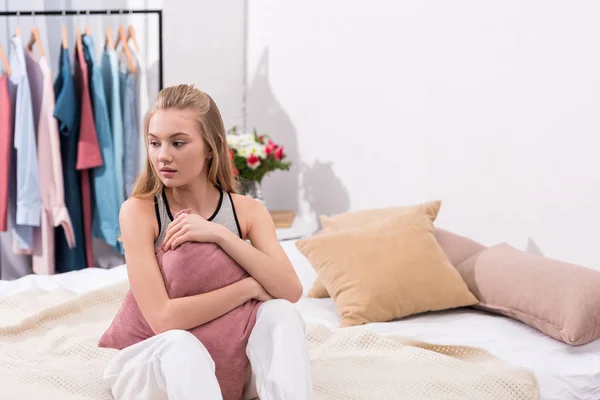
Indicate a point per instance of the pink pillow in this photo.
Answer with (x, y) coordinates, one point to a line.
(456, 247)
(192, 269)
(559, 299)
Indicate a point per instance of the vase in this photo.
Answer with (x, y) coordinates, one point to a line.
(252, 189)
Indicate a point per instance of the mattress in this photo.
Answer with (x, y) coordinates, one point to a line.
(563, 372)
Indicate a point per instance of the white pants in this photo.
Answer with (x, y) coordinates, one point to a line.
(175, 365)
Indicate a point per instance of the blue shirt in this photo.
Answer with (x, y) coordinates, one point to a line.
(110, 72)
(67, 112)
(129, 105)
(26, 195)
(106, 203)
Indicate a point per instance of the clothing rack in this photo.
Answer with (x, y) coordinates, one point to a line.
(120, 12)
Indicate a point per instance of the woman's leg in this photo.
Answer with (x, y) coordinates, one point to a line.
(278, 353)
(173, 365)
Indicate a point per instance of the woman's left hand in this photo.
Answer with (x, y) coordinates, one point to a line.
(190, 228)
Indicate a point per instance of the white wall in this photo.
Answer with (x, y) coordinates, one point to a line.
(204, 46)
(491, 107)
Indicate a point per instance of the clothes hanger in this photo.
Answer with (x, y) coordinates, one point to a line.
(35, 39)
(65, 44)
(5, 61)
(63, 31)
(108, 42)
(18, 29)
(132, 36)
(123, 39)
(88, 30)
(78, 43)
(78, 40)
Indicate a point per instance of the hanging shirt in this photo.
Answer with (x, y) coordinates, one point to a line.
(36, 86)
(27, 192)
(12, 266)
(130, 123)
(129, 106)
(88, 150)
(143, 104)
(67, 113)
(54, 211)
(5, 150)
(105, 200)
(110, 72)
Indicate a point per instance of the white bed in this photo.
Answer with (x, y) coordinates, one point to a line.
(563, 372)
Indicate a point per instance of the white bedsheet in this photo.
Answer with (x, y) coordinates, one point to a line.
(564, 372)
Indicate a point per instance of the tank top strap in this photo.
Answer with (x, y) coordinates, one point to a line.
(163, 216)
(227, 216)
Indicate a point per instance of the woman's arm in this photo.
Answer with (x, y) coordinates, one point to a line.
(265, 260)
(137, 221)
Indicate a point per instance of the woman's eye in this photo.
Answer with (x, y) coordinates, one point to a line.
(154, 144)
(178, 144)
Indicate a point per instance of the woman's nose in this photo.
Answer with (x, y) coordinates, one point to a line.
(164, 155)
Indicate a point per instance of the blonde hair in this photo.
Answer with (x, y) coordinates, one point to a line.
(210, 123)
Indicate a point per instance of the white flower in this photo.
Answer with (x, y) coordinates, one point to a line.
(245, 145)
(238, 141)
(244, 151)
(259, 150)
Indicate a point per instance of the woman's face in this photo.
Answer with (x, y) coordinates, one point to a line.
(176, 147)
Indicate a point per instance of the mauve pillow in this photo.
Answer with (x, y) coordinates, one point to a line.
(195, 268)
(559, 299)
(456, 247)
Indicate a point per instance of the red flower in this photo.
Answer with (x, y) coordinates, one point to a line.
(271, 147)
(253, 161)
(279, 153)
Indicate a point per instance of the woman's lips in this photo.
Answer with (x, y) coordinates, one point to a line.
(167, 172)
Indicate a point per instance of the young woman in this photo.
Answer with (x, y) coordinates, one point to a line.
(188, 168)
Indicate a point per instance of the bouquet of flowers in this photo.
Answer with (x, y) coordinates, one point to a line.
(255, 155)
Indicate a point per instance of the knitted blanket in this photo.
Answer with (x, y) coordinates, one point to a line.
(48, 350)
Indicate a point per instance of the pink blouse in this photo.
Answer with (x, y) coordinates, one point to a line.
(5, 146)
(54, 210)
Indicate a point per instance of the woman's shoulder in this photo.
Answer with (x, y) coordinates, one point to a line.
(249, 211)
(138, 212)
(137, 205)
(246, 204)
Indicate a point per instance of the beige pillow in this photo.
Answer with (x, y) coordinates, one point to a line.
(456, 247)
(354, 219)
(386, 270)
(559, 299)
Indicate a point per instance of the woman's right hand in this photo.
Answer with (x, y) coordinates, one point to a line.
(258, 292)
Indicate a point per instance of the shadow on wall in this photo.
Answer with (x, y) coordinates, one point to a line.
(324, 191)
(533, 248)
(280, 188)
